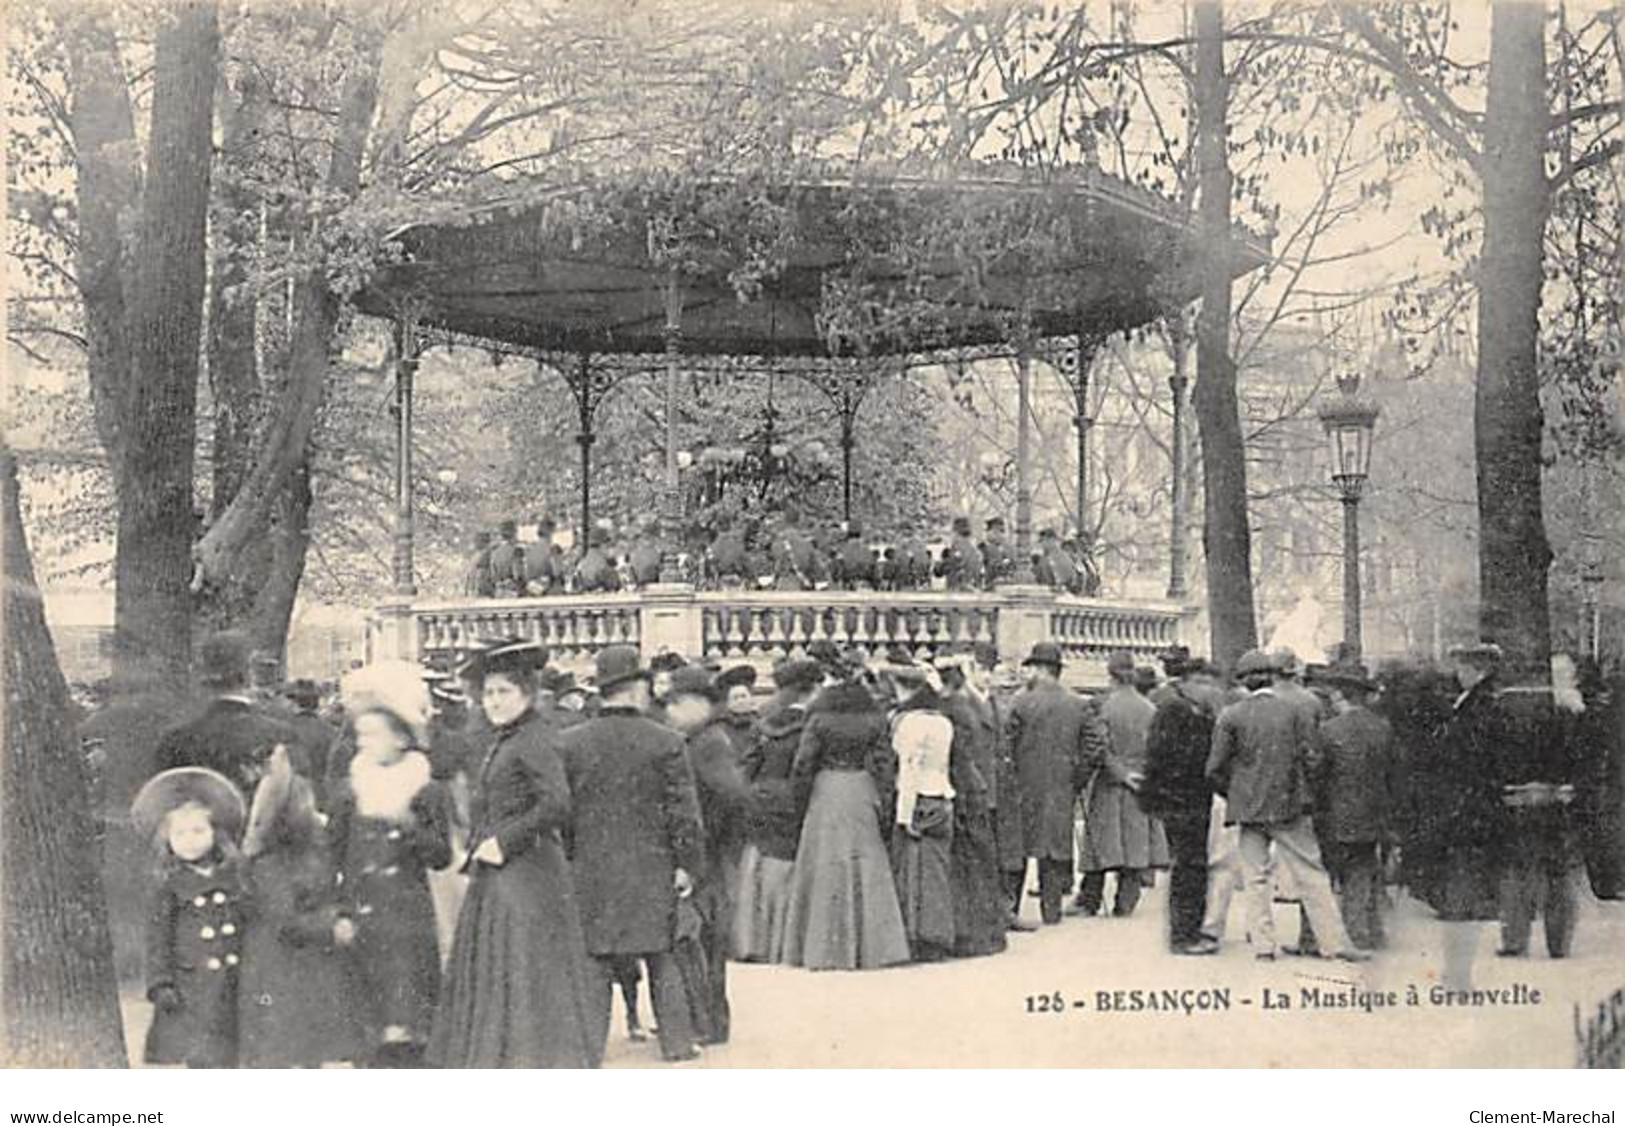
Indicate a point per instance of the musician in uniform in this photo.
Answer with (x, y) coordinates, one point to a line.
(506, 561)
(477, 583)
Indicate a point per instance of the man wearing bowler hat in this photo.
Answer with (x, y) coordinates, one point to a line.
(1057, 744)
(636, 842)
(232, 736)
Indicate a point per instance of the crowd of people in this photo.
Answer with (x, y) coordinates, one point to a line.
(658, 822)
(786, 555)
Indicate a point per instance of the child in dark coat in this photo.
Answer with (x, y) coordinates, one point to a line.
(391, 825)
(194, 938)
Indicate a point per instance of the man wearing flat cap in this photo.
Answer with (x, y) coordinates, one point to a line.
(232, 736)
(1263, 749)
(635, 842)
(1057, 742)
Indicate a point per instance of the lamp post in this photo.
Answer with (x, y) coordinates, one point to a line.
(1350, 422)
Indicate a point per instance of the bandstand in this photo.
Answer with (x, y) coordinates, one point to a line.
(602, 309)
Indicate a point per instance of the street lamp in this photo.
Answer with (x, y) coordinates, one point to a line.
(1350, 422)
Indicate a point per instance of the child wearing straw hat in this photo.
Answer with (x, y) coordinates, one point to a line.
(194, 936)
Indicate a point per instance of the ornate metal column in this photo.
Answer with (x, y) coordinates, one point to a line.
(1073, 361)
(406, 367)
(848, 442)
(845, 381)
(671, 498)
(585, 438)
(1083, 357)
(1024, 487)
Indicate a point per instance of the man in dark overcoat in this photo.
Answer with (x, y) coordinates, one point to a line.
(541, 563)
(1176, 789)
(1357, 793)
(644, 558)
(998, 557)
(595, 571)
(962, 563)
(315, 734)
(728, 560)
(792, 552)
(1055, 569)
(477, 583)
(507, 561)
(1057, 744)
(724, 797)
(1263, 751)
(1532, 762)
(855, 565)
(233, 736)
(635, 842)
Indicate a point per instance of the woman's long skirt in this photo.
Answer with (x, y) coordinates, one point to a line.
(843, 912)
(518, 990)
(922, 867)
(979, 900)
(761, 906)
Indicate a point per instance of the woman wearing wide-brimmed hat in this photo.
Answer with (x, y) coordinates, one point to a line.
(517, 990)
(391, 827)
(843, 912)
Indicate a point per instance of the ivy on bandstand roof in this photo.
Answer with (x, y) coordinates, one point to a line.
(871, 263)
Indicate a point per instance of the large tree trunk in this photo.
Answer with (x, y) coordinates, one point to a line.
(235, 375)
(107, 179)
(1513, 553)
(153, 614)
(289, 540)
(58, 993)
(1226, 539)
(285, 442)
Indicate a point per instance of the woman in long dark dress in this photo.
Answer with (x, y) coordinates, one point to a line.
(517, 991)
(843, 912)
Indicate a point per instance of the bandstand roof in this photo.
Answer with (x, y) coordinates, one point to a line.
(1122, 256)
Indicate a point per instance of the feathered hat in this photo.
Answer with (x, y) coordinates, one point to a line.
(396, 687)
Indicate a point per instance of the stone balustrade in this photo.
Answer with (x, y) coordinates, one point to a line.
(762, 626)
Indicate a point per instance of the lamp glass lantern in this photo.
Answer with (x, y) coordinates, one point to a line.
(1350, 422)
